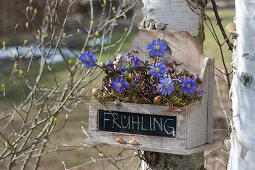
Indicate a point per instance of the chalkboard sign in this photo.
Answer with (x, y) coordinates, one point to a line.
(133, 123)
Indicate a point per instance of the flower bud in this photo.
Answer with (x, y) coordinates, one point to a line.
(102, 64)
(27, 50)
(25, 42)
(2, 90)
(78, 31)
(51, 129)
(20, 73)
(55, 121)
(105, 1)
(82, 90)
(45, 36)
(27, 26)
(137, 81)
(4, 45)
(15, 66)
(47, 19)
(12, 118)
(35, 12)
(27, 10)
(113, 9)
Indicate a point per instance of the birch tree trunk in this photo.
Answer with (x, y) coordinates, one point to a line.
(173, 15)
(242, 153)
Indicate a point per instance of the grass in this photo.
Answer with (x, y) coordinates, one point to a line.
(72, 133)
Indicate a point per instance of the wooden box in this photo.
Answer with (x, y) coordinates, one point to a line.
(177, 130)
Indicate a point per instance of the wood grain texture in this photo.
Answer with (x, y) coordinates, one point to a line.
(194, 122)
(151, 148)
(181, 44)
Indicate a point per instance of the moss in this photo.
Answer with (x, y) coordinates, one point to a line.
(132, 97)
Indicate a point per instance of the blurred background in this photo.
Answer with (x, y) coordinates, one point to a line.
(13, 32)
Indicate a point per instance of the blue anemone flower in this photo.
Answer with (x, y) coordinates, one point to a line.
(137, 62)
(189, 85)
(137, 81)
(102, 64)
(199, 92)
(88, 59)
(110, 65)
(157, 48)
(121, 70)
(128, 59)
(166, 86)
(158, 70)
(119, 84)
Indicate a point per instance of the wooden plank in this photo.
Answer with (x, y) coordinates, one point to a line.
(150, 148)
(196, 126)
(210, 100)
(144, 141)
(182, 45)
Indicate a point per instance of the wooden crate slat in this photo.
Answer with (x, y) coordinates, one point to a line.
(152, 149)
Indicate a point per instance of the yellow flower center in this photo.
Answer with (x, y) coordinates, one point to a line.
(157, 70)
(88, 59)
(166, 86)
(156, 47)
(188, 85)
(138, 62)
(119, 85)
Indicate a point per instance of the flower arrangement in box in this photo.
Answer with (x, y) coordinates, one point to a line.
(159, 82)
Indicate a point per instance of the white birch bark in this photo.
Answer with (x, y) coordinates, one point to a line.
(173, 15)
(242, 153)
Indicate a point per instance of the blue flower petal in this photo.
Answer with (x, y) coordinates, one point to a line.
(189, 85)
(88, 59)
(120, 84)
(160, 49)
